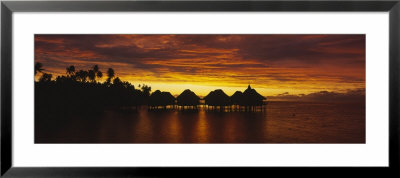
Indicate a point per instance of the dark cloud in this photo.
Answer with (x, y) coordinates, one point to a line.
(264, 48)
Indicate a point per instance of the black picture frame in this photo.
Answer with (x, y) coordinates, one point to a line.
(8, 7)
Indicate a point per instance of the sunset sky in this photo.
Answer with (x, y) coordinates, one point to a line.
(272, 64)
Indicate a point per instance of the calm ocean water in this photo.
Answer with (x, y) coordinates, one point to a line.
(283, 122)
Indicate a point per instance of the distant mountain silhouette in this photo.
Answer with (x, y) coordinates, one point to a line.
(354, 95)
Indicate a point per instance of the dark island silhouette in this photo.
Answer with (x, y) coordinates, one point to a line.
(80, 91)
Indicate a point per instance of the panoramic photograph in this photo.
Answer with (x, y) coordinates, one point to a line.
(199, 88)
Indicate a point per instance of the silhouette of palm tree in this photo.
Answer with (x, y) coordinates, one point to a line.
(71, 70)
(146, 90)
(38, 67)
(110, 74)
(99, 74)
(117, 81)
(92, 75)
(82, 75)
(96, 68)
(45, 77)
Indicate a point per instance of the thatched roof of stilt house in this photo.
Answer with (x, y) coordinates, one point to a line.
(251, 97)
(217, 98)
(168, 98)
(154, 98)
(188, 98)
(158, 98)
(236, 98)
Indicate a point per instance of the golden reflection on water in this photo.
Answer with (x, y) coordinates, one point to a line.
(284, 122)
(202, 128)
(230, 130)
(144, 127)
(173, 129)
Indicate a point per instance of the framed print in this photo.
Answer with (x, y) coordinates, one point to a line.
(158, 88)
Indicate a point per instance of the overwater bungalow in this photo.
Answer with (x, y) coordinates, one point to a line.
(188, 100)
(236, 100)
(251, 99)
(161, 99)
(217, 98)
